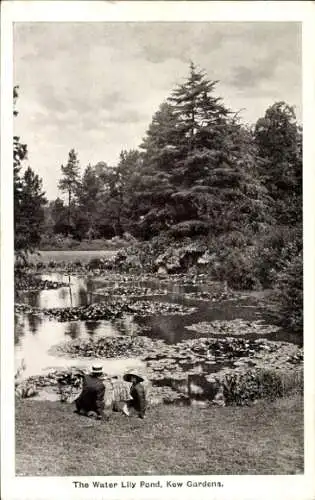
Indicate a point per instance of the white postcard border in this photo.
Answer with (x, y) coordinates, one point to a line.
(235, 487)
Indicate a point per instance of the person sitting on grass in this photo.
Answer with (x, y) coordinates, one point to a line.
(137, 393)
(91, 400)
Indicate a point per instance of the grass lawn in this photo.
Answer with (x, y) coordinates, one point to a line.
(266, 438)
(68, 256)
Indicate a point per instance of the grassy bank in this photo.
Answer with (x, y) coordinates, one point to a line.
(68, 243)
(266, 438)
(68, 256)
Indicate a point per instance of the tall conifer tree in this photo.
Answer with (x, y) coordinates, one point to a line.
(70, 181)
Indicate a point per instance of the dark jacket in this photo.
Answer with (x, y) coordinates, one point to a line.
(138, 396)
(92, 395)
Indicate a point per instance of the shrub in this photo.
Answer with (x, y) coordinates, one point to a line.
(275, 249)
(237, 269)
(77, 263)
(23, 388)
(289, 293)
(68, 386)
(231, 240)
(57, 242)
(95, 263)
(244, 388)
(189, 228)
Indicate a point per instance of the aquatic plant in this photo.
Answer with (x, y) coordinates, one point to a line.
(107, 347)
(233, 327)
(27, 281)
(130, 290)
(111, 309)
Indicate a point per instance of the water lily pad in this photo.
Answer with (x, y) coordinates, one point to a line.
(30, 282)
(233, 327)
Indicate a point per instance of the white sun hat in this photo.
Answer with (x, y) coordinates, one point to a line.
(97, 370)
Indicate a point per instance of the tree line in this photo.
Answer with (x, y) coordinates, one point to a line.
(199, 170)
(198, 173)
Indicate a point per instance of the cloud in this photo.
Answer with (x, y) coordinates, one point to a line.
(246, 77)
(96, 86)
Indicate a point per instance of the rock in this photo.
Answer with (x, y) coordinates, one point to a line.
(26, 389)
(173, 265)
(162, 270)
(199, 404)
(206, 258)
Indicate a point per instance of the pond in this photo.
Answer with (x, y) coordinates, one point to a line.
(35, 334)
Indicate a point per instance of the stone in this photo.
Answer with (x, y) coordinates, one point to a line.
(162, 270)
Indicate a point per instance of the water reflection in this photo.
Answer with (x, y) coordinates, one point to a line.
(19, 328)
(92, 326)
(34, 335)
(199, 388)
(194, 386)
(33, 340)
(76, 292)
(33, 323)
(172, 329)
(127, 325)
(72, 330)
(167, 328)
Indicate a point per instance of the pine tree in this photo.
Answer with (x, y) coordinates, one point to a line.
(197, 110)
(29, 199)
(59, 213)
(19, 155)
(121, 183)
(154, 186)
(70, 181)
(88, 194)
(199, 164)
(29, 216)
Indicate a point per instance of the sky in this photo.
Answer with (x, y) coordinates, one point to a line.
(94, 87)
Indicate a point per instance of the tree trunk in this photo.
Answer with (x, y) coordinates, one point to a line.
(69, 213)
(118, 223)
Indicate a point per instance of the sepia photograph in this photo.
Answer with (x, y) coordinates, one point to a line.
(157, 192)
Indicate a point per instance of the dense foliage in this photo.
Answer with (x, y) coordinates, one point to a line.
(289, 286)
(29, 199)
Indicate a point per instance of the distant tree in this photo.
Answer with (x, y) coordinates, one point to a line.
(59, 215)
(279, 140)
(19, 155)
(19, 149)
(88, 195)
(48, 220)
(69, 181)
(29, 199)
(29, 214)
(121, 185)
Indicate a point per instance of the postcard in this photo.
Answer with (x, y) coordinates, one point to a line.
(157, 250)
